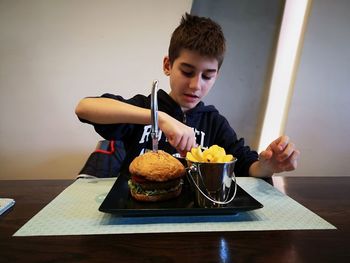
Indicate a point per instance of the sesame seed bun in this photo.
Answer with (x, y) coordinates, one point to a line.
(155, 176)
(157, 166)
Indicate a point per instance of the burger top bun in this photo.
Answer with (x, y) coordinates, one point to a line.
(157, 166)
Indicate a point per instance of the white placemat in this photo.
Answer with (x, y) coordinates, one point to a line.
(75, 212)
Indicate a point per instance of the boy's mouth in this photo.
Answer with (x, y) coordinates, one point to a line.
(191, 96)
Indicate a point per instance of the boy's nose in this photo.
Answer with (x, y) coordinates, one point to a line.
(195, 82)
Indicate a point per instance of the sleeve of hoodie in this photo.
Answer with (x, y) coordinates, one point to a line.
(118, 131)
(227, 137)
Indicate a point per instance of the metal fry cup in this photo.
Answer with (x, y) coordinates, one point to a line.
(214, 183)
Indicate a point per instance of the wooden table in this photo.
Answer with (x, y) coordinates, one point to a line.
(329, 197)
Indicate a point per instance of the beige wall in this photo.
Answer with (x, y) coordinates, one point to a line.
(53, 53)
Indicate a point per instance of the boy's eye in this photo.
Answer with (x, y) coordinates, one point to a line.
(206, 77)
(187, 73)
(190, 74)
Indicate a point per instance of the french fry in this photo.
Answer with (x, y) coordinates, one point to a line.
(191, 158)
(227, 158)
(218, 152)
(208, 156)
(197, 153)
(214, 154)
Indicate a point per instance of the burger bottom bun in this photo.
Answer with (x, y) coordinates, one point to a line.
(156, 198)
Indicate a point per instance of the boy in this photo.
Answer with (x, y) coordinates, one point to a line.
(195, 55)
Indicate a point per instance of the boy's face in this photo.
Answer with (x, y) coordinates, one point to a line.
(191, 77)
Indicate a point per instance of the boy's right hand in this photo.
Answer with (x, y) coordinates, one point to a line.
(179, 135)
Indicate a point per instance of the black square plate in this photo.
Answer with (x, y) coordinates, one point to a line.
(119, 202)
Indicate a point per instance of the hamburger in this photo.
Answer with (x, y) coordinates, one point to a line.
(155, 176)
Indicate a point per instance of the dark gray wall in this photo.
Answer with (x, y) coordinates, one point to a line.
(319, 119)
(251, 29)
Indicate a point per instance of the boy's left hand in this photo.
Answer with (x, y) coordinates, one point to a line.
(281, 155)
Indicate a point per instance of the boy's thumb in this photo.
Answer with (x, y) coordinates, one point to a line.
(265, 155)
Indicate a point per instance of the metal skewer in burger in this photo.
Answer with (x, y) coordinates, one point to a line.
(156, 175)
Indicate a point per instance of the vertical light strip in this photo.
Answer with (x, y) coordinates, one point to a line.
(283, 75)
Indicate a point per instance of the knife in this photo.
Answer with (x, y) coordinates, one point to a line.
(154, 116)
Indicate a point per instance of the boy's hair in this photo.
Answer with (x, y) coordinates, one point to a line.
(199, 34)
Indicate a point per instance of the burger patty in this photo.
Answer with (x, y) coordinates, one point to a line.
(153, 185)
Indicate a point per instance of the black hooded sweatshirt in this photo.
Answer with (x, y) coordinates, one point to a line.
(210, 128)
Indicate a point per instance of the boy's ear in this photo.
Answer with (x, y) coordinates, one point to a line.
(166, 66)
